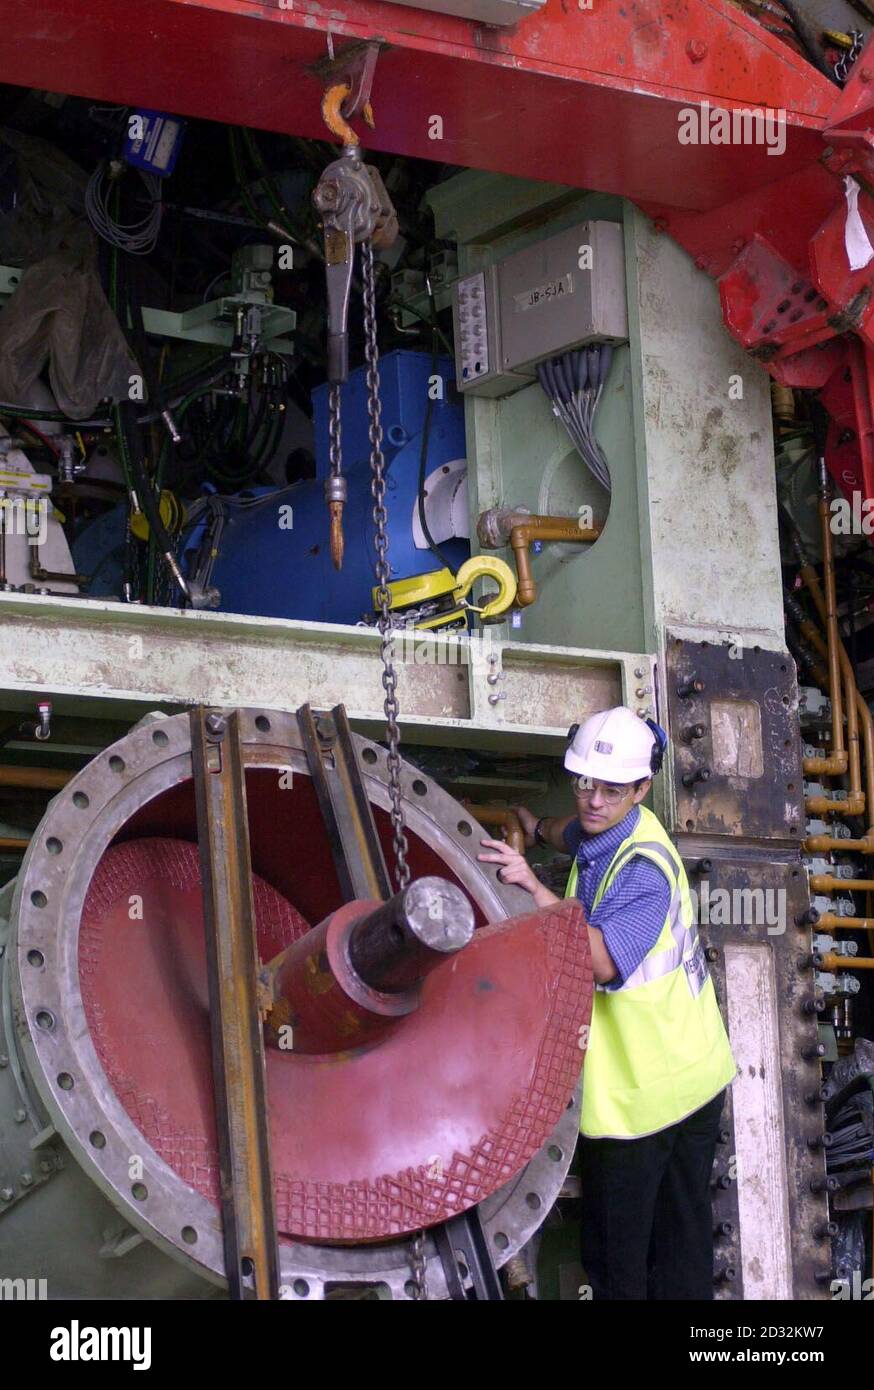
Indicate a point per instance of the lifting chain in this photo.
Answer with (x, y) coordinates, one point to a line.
(848, 57)
(383, 572)
(417, 1265)
(335, 488)
(389, 675)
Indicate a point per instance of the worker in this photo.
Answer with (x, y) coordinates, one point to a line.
(658, 1058)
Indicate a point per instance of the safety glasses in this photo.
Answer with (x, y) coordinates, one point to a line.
(585, 787)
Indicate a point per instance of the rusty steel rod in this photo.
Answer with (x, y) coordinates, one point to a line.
(239, 1077)
(396, 946)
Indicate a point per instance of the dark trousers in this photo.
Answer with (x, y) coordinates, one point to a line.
(647, 1226)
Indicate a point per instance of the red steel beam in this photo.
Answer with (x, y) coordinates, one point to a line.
(588, 97)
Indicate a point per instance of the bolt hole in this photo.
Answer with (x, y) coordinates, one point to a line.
(116, 763)
(465, 827)
(36, 959)
(785, 699)
(189, 1235)
(533, 1201)
(555, 1153)
(139, 1191)
(262, 723)
(96, 1139)
(410, 1289)
(690, 825)
(420, 787)
(45, 1019)
(54, 845)
(502, 1240)
(301, 1287)
(790, 786)
(161, 740)
(369, 755)
(247, 1268)
(38, 898)
(81, 800)
(65, 1081)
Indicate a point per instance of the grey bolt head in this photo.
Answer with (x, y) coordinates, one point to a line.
(19, 1116)
(7, 1193)
(215, 723)
(26, 1179)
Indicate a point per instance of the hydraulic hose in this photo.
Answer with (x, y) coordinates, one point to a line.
(131, 446)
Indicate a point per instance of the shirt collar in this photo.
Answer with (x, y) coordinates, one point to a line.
(607, 842)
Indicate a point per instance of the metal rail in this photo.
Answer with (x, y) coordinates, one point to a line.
(344, 804)
(239, 1079)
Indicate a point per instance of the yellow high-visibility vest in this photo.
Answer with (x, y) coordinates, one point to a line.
(658, 1049)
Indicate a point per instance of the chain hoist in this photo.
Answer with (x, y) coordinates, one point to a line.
(356, 210)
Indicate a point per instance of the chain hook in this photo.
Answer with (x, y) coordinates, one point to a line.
(335, 109)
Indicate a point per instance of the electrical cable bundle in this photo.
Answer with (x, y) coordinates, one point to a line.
(138, 237)
(574, 384)
(852, 1134)
(218, 511)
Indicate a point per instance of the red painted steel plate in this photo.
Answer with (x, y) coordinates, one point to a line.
(588, 97)
(366, 1144)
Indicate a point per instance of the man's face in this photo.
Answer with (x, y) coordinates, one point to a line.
(601, 805)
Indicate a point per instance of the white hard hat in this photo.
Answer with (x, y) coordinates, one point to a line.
(613, 746)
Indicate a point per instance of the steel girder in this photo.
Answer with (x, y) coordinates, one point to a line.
(585, 96)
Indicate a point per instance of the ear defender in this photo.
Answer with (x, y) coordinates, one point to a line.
(658, 748)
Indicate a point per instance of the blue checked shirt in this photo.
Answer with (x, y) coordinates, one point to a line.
(632, 912)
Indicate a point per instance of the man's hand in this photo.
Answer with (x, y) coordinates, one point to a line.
(528, 821)
(515, 869)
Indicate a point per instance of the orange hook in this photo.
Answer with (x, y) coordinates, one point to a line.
(332, 103)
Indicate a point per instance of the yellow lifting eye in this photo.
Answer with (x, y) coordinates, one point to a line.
(482, 567)
(421, 587)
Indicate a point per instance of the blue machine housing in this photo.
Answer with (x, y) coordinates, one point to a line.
(266, 568)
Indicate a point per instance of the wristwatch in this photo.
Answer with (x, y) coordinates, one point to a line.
(538, 833)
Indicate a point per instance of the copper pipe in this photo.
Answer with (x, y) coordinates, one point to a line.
(498, 815)
(825, 883)
(828, 611)
(9, 842)
(827, 844)
(543, 528)
(47, 779)
(857, 709)
(831, 919)
(810, 632)
(830, 962)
